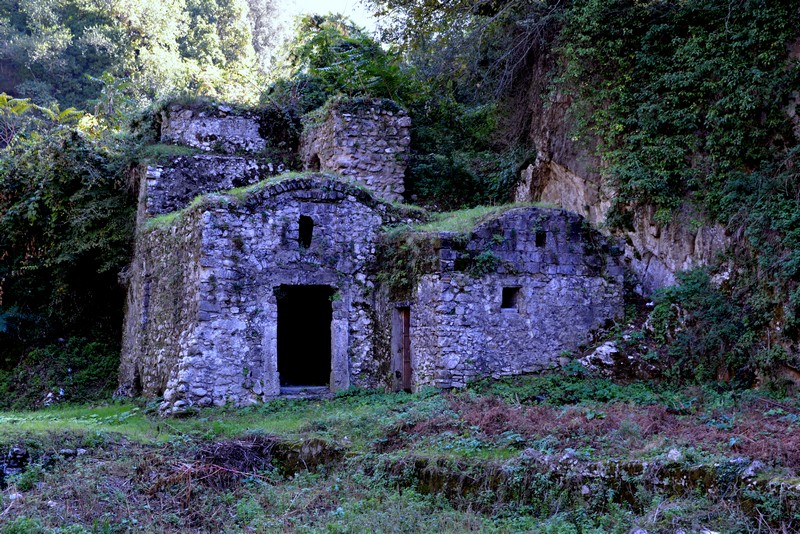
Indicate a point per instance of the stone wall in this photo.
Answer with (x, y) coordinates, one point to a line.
(172, 187)
(162, 305)
(245, 248)
(212, 129)
(365, 139)
(525, 287)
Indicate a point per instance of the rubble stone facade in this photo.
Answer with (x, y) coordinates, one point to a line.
(243, 295)
(365, 139)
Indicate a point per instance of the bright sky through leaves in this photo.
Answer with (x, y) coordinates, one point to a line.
(353, 9)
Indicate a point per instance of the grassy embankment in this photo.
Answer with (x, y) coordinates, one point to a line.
(550, 453)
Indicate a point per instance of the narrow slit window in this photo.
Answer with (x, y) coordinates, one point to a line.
(541, 238)
(306, 231)
(510, 298)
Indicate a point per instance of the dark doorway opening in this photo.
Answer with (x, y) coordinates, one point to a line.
(304, 335)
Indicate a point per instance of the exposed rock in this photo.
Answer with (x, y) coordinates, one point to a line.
(567, 172)
(753, 469)
(608, 360)
(674, 456)
(16, 461)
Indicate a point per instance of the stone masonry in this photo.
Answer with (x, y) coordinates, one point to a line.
(366, 139)
(241, 295)
(217, 130)
(202, 317)
(551, 282)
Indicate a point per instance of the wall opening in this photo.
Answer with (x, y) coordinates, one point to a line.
(304, 335)
(306, 231)
(510, 299)
(401, 348)
(314, 163)
(541, 238)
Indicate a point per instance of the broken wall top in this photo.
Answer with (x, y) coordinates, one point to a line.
(228, 130)
(365, 139)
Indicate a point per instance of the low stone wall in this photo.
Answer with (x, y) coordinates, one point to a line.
(524, 288)
(365, 139)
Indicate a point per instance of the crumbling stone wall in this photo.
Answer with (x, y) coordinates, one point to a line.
(212, 130)
(202, 321)
(162, 306)
(172, 187)
(561, 281)
(246, 247)
(365, 139)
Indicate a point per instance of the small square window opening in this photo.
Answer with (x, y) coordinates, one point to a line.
(541, 238)
(510, 298)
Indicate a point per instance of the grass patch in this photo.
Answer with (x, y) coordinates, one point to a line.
(161, 153)
(464, 221)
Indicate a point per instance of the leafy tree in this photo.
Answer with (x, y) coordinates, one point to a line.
(262, 15)
(66, 226)
(330, 55)
(163, 48)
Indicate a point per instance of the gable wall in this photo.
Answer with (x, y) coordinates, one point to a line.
(246, 249)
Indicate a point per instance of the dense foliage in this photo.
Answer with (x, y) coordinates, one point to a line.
(689, 103)
(456, 160)
(66, 225)
(69, 50)
(683, 96)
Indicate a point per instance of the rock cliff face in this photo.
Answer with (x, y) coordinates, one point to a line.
(567, 172)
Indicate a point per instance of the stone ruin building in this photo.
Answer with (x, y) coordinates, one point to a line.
(248, 283)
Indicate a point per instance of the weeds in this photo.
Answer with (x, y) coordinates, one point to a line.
(509, 455)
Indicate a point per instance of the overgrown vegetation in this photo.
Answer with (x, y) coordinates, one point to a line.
(66, 223)
(690, 105)
(485, 459)
(690, 109)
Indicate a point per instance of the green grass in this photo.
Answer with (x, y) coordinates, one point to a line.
(463, 221)
(142, 473)
(161, 153)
